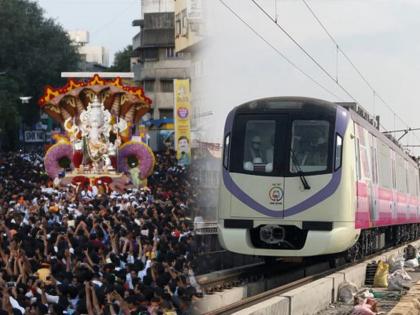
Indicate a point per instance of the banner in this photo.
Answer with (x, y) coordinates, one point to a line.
(34, 136)
(182, 114)
(194, 9)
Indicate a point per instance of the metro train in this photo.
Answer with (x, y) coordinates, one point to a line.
(306, 177)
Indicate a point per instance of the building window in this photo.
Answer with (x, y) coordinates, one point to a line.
(170, 52)
(178, 25)
(167, 85)
(166, 113)
(149, 85)
(184, 24)
(151, 53)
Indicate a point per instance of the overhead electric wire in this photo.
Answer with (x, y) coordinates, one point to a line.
(354, 66)
(303, 50)
(278, 51)
(335, 80)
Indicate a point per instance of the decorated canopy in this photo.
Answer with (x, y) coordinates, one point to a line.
(97, 147)
(122, 101)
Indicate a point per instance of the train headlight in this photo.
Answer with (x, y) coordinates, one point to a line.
(272, 234)
(265, 235)
(279, 233)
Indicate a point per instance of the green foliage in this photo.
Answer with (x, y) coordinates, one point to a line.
(122, 60)
(34, 51)
(9, 117)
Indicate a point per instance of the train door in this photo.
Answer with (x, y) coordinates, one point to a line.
(257, 157)
(393, 205)
(364, 214)
(373, 183)
(417, 174)
(361, 211)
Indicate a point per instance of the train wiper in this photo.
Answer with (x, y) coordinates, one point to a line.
(299, 170)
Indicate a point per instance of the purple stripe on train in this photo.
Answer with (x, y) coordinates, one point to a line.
(342, 119)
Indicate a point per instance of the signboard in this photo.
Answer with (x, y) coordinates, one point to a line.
(182, 114)
(34, 136)
(194, 9)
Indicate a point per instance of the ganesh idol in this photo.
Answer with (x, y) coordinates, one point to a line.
(93, 150)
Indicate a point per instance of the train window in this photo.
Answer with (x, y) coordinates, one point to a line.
(384, 165)
(364, 161)
(401, 174)
(226, 151)
(309, 147)
(412, 180)
(338, 151)
(258, 154)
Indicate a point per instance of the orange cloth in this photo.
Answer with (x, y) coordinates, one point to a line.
(54, 208)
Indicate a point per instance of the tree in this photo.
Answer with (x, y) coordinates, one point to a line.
(10, 118)
(122, 60)
(34, 51)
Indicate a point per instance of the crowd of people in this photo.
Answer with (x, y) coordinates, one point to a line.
(63, 252)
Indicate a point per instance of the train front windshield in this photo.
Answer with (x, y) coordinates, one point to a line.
(282, 145)
(309, 146)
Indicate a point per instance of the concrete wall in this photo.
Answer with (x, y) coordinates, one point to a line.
(152, 6)
(97, 54)
(185, 39)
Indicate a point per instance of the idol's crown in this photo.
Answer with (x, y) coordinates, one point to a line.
(95, 103)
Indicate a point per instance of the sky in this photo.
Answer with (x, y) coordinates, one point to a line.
(380, 37)
(108, 21)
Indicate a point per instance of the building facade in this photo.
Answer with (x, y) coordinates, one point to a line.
(94, 58)
(189, 34)
(155, 62)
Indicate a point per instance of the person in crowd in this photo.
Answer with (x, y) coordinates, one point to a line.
(63, 252)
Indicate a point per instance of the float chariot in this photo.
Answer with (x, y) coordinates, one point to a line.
(97, 147)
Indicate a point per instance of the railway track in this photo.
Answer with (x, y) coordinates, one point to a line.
(263, 272)
(226, 279)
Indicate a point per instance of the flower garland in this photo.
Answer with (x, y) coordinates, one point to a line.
(53, 158)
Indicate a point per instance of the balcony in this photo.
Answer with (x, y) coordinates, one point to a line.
(137, 41)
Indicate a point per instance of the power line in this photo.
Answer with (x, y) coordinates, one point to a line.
(278, 51)
(375, 93)
(304, 50)
(111, 21)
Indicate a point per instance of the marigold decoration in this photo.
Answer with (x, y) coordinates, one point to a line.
(145, 157)
(53, 156)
